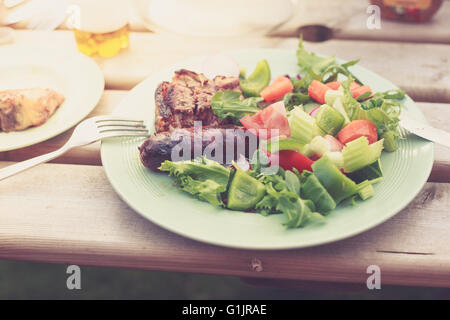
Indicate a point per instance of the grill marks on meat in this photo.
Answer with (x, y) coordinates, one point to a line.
(175, 107)
(187, 98)
(181, 102)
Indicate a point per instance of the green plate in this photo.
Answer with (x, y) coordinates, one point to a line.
(155, 197)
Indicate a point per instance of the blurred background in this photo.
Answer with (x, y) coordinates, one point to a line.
(24, 280)
(92, 20)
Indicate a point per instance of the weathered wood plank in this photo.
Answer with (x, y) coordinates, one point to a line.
(423, 70)
(437, 114)
(86, 223)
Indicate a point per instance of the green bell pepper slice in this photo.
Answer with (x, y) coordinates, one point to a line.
(335, 182)
(257, 81)
(313, 190)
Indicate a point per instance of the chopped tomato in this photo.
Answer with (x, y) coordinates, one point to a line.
(333, 85)
(317, 91)
(356, 129)
(267, 120)
(288, 160)
(277, 89)
(360, 91)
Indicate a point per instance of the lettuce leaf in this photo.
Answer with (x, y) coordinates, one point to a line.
(283, 196)
(324, 69)
(296, 99)
(228, 104)
(203, 178)
(311, 63)
(383, 109)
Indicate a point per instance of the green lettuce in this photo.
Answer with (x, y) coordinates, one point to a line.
(383, 110)
(283, 196)
(228, 104)
(323, 69)
(203, 178)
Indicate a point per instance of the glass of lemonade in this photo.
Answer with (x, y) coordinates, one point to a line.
(101, 26)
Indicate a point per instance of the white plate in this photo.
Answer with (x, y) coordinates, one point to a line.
(74, 75)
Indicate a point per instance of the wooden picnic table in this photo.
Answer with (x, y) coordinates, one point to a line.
(67, 212)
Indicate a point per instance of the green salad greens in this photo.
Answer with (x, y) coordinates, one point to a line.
(228, 104)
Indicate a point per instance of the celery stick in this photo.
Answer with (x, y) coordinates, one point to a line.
(303, 126)
(337, 158)
(359, 154)
(366, 192)
(307, 151)
(319, 145)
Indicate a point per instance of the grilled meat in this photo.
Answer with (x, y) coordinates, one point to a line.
(187, 98)
(216, 144)
(20, 109)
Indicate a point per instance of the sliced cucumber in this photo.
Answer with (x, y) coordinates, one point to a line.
(329, 120)
(372, 172)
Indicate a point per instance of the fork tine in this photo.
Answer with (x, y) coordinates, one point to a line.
(113, 134)
(122, 129)
(118, 124)
(100, 119)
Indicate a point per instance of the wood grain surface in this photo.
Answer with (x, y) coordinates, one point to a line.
(428, 80)
(72, 215)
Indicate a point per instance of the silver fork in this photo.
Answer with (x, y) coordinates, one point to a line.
(87, 132)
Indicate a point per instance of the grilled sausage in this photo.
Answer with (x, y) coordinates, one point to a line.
(220, 144)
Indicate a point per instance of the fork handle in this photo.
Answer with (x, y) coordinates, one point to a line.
(25, 165)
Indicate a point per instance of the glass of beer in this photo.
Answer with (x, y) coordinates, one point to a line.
(100, 26)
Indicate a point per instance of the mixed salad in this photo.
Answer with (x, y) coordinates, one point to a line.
(330, 132)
